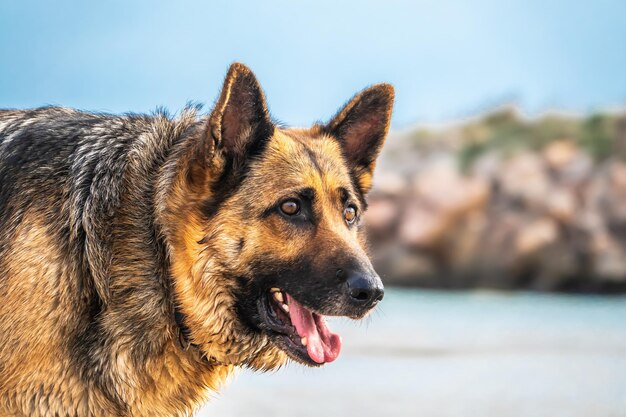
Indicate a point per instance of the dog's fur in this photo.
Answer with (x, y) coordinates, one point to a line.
(133, 249)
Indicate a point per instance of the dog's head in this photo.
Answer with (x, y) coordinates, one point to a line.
(266, 236)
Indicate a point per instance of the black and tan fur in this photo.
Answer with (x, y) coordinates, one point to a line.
(134, 249)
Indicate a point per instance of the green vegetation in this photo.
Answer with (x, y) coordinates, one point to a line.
(507, 132)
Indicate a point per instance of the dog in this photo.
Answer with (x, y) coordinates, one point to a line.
(145, 257)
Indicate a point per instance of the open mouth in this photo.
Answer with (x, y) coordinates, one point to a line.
(300, 332)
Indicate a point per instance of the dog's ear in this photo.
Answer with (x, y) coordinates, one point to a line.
(240, 122)
(361, 127)
(237, 129)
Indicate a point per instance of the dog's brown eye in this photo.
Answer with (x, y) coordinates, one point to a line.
(349, 213)
(290, 207)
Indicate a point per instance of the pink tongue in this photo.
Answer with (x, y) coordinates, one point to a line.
(322, 345)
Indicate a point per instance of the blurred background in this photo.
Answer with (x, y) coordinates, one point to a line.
(498, 217)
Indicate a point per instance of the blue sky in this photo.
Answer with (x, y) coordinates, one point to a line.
(447, 59)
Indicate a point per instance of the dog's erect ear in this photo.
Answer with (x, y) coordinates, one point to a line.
(361, 127)
(236, 130)
(240, 122)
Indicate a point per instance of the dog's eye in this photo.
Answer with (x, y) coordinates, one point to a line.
(290, 207)
(349, 213)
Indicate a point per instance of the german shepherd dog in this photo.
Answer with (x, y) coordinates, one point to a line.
(144, 257)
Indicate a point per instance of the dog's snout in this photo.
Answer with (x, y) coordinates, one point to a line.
(364, 289)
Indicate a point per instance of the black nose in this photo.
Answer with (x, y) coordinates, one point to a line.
(364, 289)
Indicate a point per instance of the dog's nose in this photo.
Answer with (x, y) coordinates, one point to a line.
(364, 289)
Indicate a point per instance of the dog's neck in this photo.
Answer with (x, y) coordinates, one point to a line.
(184, 337)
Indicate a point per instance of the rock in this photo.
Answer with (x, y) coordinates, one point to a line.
(615, 194)
(524, 177)
(442, 196)
(533, 215)
(610, 262)
(487, 167)
(561, 204)
(422, 227)
(381, 216)
(389, 184)
(447, 191)
(568, 163)
(560, 154)
(535, 236)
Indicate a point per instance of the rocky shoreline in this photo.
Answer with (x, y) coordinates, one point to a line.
(504, 202)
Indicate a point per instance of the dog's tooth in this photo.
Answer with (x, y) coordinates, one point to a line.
(303, 341)
(274, 289)
(279, 296)
(285, 307)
